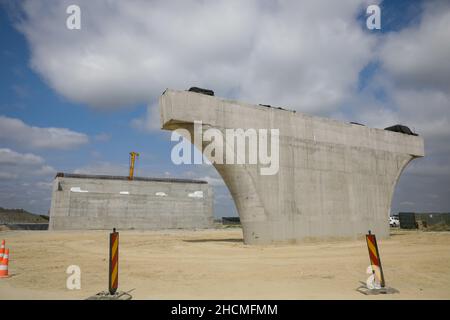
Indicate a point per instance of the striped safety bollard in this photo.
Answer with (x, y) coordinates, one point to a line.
(374, 255)
(113, 275)
(113, 262)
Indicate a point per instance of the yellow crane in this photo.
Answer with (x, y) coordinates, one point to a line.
(133, 156)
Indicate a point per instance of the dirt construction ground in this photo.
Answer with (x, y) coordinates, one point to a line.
(215, 264)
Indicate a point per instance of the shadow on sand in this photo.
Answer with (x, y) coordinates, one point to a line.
(235, 240)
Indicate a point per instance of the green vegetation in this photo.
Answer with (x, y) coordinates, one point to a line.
(11, 216)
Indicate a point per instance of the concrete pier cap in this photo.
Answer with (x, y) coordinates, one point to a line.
(335, 179)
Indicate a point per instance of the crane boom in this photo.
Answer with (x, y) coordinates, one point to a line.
(133, 156)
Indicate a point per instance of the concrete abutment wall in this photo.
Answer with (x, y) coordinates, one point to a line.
(93, 202)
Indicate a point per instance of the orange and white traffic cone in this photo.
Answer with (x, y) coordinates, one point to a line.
(4, 265)
(2, 250)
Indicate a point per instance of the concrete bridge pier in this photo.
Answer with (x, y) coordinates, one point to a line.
(335, 179)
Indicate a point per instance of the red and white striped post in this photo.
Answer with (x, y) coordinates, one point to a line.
(374, 256)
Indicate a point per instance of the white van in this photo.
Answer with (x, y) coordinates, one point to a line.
(394, 222)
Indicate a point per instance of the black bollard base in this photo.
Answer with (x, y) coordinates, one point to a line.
(105, 295)
(369, 292)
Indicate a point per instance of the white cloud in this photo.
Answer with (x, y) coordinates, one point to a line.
(102, 137)
(301, 55)
(23, 164)
(102, 167)
(418, 56)
(304, 55)
(25, 179)
(44, 171)
(150, 122)
(19, 133)
(12, 158)
(415, 79)
(426, 110)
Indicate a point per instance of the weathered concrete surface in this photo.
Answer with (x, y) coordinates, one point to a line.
(149, 204)
(335, 179)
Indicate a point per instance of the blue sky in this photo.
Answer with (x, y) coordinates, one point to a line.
(25, 96)
(45, 82)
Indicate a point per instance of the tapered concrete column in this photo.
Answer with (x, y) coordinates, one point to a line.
(335, 179)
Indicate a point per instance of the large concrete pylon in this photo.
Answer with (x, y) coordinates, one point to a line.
(335, 179)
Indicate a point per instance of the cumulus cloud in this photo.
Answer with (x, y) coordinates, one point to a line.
(103, 167)
(12, 158)
(413, 82)
(305, 55)
(415, 73)
(150, 122)
(17, 132)
(25, 181)
(417, 56)
(23, 164)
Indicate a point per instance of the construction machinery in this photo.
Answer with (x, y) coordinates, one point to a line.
(133, 156)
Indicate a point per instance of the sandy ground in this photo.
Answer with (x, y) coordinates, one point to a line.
(215, 264)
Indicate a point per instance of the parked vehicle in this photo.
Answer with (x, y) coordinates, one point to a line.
(394, 222)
